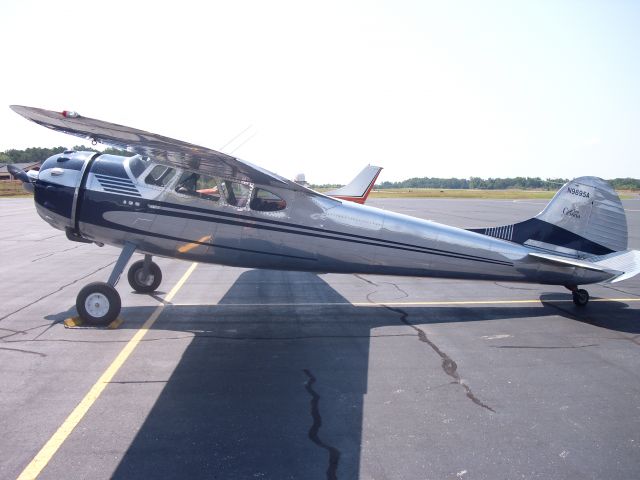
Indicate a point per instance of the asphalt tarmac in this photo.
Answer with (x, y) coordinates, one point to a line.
(250, 374)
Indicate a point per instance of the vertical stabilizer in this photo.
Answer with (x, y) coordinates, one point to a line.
(583, 219)
(590, 208)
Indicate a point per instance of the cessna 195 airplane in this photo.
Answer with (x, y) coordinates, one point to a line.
(180, 200)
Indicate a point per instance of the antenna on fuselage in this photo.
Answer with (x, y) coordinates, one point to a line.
(237, 137)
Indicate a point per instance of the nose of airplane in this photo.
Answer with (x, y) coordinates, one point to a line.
(56, 186)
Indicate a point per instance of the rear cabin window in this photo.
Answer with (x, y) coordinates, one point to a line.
(266, 201)
(160, 176)
(236, 194)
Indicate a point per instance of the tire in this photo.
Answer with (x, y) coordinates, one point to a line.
(98, 303)
(580, 297)
(141, 284)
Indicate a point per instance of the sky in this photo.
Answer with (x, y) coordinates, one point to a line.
(438, 89)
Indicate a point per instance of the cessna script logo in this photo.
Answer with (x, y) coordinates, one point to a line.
(577, 192)
(571, 212)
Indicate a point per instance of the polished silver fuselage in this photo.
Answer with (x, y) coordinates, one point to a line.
(313, 233)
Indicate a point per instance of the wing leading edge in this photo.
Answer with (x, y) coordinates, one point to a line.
(161, 149)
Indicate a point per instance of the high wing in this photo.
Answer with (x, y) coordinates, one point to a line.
(159, 148)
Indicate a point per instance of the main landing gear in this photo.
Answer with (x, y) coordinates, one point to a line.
(99, 303)
(580, 295)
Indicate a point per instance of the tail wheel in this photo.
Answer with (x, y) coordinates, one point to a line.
(98, 303)
(580, 297)
(141, 282)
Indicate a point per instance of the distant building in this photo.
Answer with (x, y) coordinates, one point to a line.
(6, 176)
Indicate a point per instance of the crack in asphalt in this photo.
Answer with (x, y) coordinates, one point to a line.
(334, 453)
(23, 332)
(498, 284)
(370, 282)
(47, 255)
(23, 351)
(59, 289)
(449, 366)
(619, 290)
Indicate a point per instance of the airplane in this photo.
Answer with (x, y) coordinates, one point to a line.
(359, 188)
(179, 200)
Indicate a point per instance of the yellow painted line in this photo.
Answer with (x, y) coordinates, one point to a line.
(380, 304)
(187, 247)
(55, 442)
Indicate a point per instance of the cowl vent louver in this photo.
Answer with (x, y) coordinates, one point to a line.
(123, 186)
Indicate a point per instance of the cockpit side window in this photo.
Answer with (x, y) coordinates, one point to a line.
(201, 186)
(266, 201)
(160, 176)
(213, 188)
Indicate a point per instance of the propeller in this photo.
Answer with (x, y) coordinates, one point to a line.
(19, 174)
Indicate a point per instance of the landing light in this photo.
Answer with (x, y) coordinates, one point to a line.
(69, 114)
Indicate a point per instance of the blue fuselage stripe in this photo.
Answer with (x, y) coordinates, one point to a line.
(194, 213)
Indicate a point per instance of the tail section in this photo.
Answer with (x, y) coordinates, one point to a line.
(584, 219)
(360, 187)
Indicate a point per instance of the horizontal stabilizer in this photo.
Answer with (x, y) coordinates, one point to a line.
(572, 262)
(627, 262)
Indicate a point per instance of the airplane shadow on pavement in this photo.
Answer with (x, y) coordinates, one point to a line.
(277, 391)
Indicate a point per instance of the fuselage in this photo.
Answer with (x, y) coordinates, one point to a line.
(182, 214)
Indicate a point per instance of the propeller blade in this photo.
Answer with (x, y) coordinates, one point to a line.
(18, 174)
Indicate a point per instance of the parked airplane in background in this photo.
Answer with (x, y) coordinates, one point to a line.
(176, 199)
(360, 187)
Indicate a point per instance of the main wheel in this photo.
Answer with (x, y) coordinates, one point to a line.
(98, 303)
(580, 297)
(144, 283)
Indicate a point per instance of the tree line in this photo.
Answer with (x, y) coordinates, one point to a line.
(520, 183)
(37, 154)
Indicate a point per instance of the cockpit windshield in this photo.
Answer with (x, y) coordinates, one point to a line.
(159, 176)
(137, 165)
